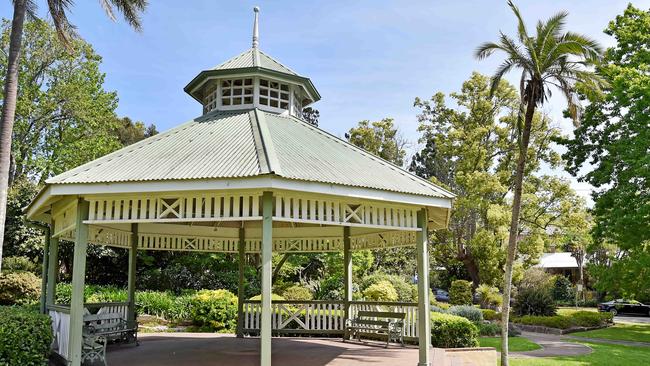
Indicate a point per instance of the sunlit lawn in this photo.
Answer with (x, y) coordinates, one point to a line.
(603, 355)
(623, 332)
(571, 310)
(515, 344)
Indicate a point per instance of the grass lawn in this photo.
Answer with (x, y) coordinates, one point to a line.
(571, 310)
(515, 344)
(603, 355)
(623, 332)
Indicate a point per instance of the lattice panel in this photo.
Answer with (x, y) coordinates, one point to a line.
(383, 240)
(187, 243)
(194, 207)
(334, 212)
(103, 236)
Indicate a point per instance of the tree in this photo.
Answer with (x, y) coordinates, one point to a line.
(471, 148)
(381, 138)
(131, 10)
(613, 138)
(311, 115)
(129, 132)
(550, 58)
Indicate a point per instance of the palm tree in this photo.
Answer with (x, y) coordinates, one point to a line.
(549, 59)
(130, 9)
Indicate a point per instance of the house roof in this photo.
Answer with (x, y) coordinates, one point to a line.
(558, 260)
(254, 57)
(249, 143)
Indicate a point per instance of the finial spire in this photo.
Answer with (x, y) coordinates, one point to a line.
(256, 33)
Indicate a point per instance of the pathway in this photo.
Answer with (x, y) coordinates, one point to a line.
(552, 346)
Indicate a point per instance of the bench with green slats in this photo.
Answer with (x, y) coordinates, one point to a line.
(385, 323)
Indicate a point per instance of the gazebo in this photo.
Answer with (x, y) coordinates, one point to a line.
(247, 176)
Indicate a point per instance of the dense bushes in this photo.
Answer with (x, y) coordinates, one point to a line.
(577, 319)
(489, 329)
(467, 311)
(297, 292)
(489, 297)
(405, 291)
(381, 291)
(451, 331)
(489, 314)
(164, 305)
(562, 289)
(215, 310)
(25, 337)
(534, 301)
(19, 264)
(460, 293)
(20, 288)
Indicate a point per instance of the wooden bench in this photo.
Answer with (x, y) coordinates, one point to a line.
(378, 322)
(99, 329)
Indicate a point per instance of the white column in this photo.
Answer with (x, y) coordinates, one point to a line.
(424, 324)
(78, 283)
(133, 256)
(267, 242)
(347, 274)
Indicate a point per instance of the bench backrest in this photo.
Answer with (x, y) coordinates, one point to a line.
(103, 318)
(381, 314)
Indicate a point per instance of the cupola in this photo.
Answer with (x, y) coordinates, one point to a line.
(253, 79)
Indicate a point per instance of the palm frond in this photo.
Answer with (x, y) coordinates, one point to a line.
(130, 9)
(521, 25)
(486, 49)
(503, 69)
(65, 31)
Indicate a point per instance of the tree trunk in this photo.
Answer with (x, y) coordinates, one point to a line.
(472, 270)
(514, 228)
(9, 110)
(278, 267)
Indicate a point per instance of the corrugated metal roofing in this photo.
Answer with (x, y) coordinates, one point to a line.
(216, 145)
(248, 143)
(253, 57)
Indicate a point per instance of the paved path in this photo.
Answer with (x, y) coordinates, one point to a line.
(631, 319)
(552, 346)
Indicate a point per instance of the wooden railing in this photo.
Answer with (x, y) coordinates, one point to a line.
(320, 317)
(60, 315)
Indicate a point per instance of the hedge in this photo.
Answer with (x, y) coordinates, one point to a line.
(215, 310)
(451, 331)
(19, 288)
(489, 314)
(577, 319)
(25, 337)
(460, 293)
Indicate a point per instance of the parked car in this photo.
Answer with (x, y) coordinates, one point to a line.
(441, 295)
(624, 306)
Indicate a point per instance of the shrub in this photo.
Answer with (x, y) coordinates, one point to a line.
(577, 319)
(460, 293)
(489, 296)
(274, 297)
(20, 288)
(489, 329)
(381, 291)
(405, 291)
(215, 310)
(164, 305)
(534, 301)
(468, 312)
(26, 337)
(297, 292)
(451, 331)
(489, 314)
(562, 289)
(19, 264)
(536, 277)
(590, 318)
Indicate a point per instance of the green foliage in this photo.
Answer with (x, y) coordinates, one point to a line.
(489, 296)
(298, 292)
(26, 337)
(19, 264)
(380, 138)
(534, 301)
(20, 288)
(460, 293)
(215, 310)
(613, 139)
(489, 314)
(577, 319)
(489, 329)
(562, 289)
(274, 297)
(451, 331)
(467, 311)
(164, 304)
(21, 239)
(380, 291)
(406, 292)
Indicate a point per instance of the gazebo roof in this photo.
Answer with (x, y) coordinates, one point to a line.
(249, 143)
(254, 57)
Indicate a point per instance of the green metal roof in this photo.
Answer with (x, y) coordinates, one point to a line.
(248, 143)
(254, 57)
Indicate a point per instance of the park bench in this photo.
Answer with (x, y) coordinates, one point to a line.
(99, 329)
(378, 322)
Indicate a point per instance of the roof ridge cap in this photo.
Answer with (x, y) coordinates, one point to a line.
(401, 170)
(267, 143)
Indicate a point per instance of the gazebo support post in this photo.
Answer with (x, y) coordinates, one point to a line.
(46, 262)
(347, 274)
(78, 282)
(240, 287)
(267, 242)
(52, 267)
(133, 257)
(424, 325)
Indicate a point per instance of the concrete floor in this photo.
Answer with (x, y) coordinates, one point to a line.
(200, 349)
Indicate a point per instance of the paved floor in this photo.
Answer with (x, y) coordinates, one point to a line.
(552, 346)
(196, 349)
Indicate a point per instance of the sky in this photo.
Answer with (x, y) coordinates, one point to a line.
(368, 59)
